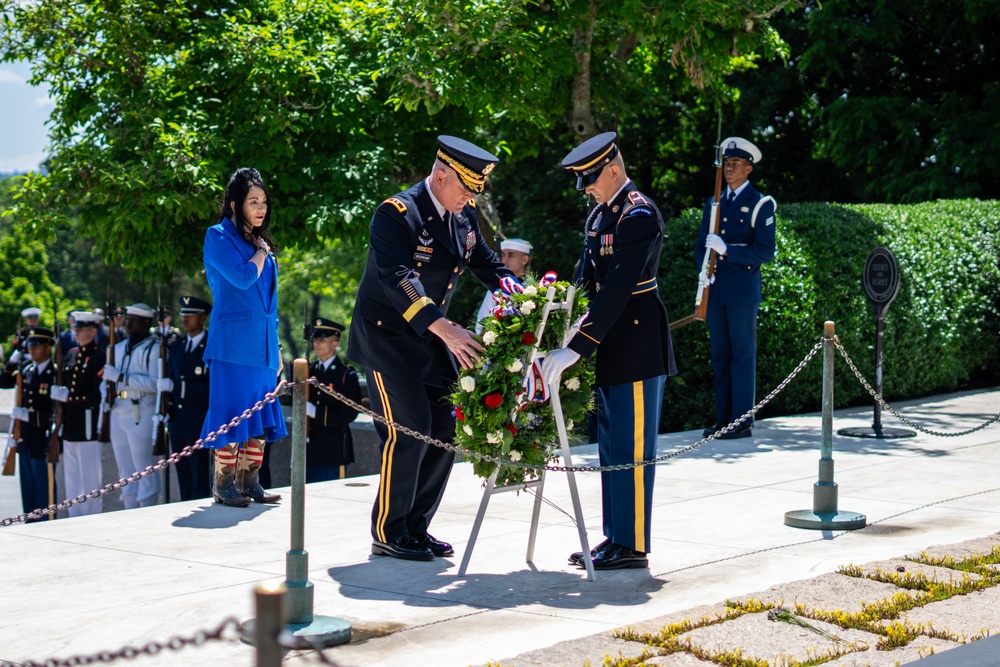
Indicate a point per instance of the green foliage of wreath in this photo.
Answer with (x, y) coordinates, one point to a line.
(493, 413)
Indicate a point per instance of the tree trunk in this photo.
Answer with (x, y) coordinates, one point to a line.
(582, 118)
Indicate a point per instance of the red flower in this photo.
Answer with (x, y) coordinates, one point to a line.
(459, 414)
(511, 428)
(493, 400)
(528, 338)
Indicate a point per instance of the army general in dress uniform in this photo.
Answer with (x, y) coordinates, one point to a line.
(330, 447)
(745, 241)
(187, 382)
(626, 326)
(421, 241)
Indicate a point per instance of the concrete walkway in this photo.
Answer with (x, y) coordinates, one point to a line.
(79, 586)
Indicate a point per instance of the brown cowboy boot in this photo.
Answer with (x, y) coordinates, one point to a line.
(225, 478)
(251, 459)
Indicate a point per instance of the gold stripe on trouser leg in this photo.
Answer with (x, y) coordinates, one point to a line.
(343, 471)
(387, 452)
(638, 454)
(52, 489)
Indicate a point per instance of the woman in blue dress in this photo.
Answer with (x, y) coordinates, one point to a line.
(242, 350)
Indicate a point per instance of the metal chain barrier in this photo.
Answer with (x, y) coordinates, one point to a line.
(271, 397)
(888, 408)
(228, 630)
(531, 466)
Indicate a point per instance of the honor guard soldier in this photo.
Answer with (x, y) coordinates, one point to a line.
(35, 415)
(136, 370)
(515, 255)
(626, 326)
(421, 241)
(330, 447)
(744, 242)
(81, 422)
(31, 317)
(187, 383)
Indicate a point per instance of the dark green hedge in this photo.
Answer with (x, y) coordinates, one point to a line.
(941, 332)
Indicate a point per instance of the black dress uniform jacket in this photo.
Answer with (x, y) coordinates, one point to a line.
(189, 399)
(330, 443)
(626, 321)
(35, 397)
(414, 261)
(82, 368)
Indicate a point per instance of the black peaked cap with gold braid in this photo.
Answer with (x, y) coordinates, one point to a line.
(588, 160)
(470, 162)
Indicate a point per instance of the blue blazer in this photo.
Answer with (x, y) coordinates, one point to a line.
(244, 318)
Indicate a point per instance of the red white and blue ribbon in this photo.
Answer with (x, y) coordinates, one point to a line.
(536, 390)
(509, 284)
(547, 279)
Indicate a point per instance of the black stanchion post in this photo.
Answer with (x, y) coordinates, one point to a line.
(824, 515)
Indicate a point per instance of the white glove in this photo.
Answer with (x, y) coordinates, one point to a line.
(555, 363)
(704, 280)
(58, 393)
(105, 407)
(165, 385)
(311, 410)
(715, 242)
(18, 412)
(16, 357)
(111, 374)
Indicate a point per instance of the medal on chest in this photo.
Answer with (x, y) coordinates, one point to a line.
(607, 244)
(470, 243)
(424, 248)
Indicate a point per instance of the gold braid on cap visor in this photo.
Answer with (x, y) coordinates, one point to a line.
(471, 179)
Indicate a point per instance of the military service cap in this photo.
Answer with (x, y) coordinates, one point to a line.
(740, 147)
(518, 245)
(470, 162)
(588, 159)
(40, 335)
(82, 319)
(322, 328)
(31, 312)
(192, 305)
(140, 310)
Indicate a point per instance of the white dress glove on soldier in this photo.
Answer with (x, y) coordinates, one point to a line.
(58, 393)
(16, 357)
(555, 363)
(311, 410)
(715, 242)
(165, 385)
(111, 374)
(19, 413)
(704, 280)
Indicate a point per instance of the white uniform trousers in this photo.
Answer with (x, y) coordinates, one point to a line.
(81, 463)
(133, 445)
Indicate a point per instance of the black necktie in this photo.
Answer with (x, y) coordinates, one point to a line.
(731, 198)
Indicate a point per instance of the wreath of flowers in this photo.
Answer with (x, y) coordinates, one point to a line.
(494, 414)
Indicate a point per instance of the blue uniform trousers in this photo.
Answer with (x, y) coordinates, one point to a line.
(414, 473)
(324, 473)
(34, 473)
(733, 336)
(627, 426)
(194, 472)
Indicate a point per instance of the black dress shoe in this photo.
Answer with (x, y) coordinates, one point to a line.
(437, 547)
(405, 547)
(712, 429)
(617, 557)
(744, 431)
(576, 558)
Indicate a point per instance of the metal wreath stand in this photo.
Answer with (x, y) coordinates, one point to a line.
(491, 487)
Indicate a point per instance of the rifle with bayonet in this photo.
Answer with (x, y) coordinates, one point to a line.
(112, 391)
(55, 437)
(708, 263)
(161, 440)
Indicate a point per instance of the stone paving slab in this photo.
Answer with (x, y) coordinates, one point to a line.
(919, 648)
(678, 660)
(592, 650)
(961, 550)
(830, 592)
(968, 616)
(756, 637)
(903, 567)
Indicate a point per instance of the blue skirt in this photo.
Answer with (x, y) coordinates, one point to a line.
(234, 388)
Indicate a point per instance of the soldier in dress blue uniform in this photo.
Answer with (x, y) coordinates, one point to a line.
(82, 372)
(421, 241)
(187, 382)
(31, 316)
(330, 448)
(35, 414)
(627, 326)
(744, 242)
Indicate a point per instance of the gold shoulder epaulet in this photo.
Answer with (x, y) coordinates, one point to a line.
(398, 205)
(472, 203)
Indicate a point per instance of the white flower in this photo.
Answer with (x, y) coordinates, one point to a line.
(468, 384)
(527, 307)
(572, 384)
(489, 338)
(494, 438)
(530, 416)
(467, 429)
(530, 290)
(516, 366)
(515, 455)
(513, 415)
(569, 425)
